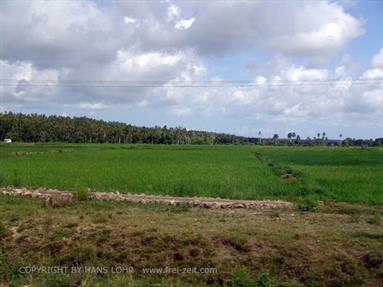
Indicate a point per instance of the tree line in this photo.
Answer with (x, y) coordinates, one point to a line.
(41, 128)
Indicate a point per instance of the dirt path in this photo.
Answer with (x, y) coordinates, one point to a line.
(57, 198)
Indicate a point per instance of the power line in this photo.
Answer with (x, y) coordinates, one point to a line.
(183, 84)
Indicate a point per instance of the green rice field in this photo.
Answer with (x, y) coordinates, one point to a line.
(347, 174)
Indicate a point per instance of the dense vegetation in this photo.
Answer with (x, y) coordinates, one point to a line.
(40, 128)
(234, 171)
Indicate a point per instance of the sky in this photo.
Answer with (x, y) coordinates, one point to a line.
(229, 66)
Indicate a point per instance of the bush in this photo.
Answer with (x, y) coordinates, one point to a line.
(286, 172)
(264, 279)
(308, 204)
(240, 278)
(82, 195)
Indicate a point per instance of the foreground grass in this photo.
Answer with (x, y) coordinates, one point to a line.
(336, 246)
(239, 172)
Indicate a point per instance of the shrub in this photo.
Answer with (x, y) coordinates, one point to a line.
(308, 204)
(82, 195)
(240, 278)
(264, 279)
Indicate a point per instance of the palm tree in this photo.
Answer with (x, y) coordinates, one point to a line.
(260, 137)
(291, 135)
(275, 138)
(324, 139)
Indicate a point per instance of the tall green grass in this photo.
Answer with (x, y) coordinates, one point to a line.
(344, 174)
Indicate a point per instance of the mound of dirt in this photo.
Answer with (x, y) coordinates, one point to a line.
(55, 198)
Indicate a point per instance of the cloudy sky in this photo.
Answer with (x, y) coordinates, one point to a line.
(217, 65)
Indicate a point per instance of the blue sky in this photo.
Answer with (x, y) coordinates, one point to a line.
(364, 47)
(311, 66)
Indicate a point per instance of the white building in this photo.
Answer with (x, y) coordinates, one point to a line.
(7, 141)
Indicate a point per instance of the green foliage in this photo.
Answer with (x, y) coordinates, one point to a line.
(308, 204)
(286, 172)
(238, 172)
(264, 279)
(16, 180)
(241, 278)
(82, 194)
(41, 128)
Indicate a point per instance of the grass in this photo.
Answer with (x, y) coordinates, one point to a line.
(341, 174)
(240, 172)
(247, 248)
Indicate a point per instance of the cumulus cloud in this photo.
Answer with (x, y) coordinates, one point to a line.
(129, 20)
(315, 29)
(295, 94)
(51, 33)
(377, 60)
(18, 75)
(57, 33)
(322, 35)
(97, 57)
(132, 76)
(372, 74)
(184, 24)
(301, 74)
(92, 106)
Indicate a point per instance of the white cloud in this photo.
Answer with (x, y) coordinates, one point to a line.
(372, 74)
(340, 71)
(377, 60)
(174, 16)
(18, 76)
(184, 24)
(301, 74)
(325, 39)
(67, 33)
(374, 98)
(173, 12)
(129, 20)
(328, 102)
(93, 106)
(259, 80)
(82, 40)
